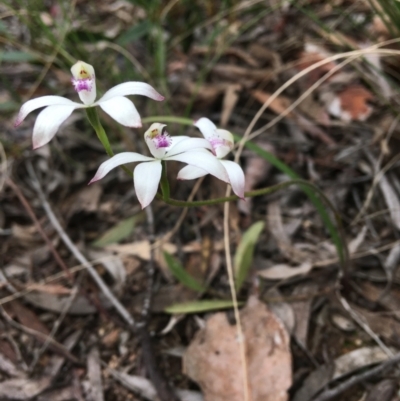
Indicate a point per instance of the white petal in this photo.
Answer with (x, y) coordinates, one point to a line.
(43, 101)
(122, 110)
(188, 144)
(236, 177)
(117, 160)
(88, 96)
(191, 173)
(150, 136)
(204, 160)
(206, 126)
(132, 88)
(48, 122)
(221, 150)
(82, 71)
(146, 178)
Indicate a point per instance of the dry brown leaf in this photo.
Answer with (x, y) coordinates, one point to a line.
(26, 317)
(215, 349)
(55, 289)
(351, 104)
(94, 375)
(278, 105)
(284, 271)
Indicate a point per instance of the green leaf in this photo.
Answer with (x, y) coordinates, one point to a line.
(244, 252)
(117, 233)
(182, 275)
(199, 306)
(16, 56)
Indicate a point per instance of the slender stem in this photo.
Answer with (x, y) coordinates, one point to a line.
(164, 183)
(93, 118)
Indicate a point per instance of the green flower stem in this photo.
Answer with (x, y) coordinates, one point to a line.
(164, 183)
(94, 120)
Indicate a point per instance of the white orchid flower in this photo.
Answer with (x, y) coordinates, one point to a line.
(58, 108)
(222, 143)
(162, 146)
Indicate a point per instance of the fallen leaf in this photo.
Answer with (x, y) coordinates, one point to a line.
(283, 271)
(351, 104)
(94, 375)
(278, 105)
(215, 349)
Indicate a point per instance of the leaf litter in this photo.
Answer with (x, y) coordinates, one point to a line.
(225, 66)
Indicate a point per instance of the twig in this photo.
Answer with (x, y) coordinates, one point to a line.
(3, 168)
(332, 393)
(32, 215)
(362, 324)
(229, 268)
(77, 253)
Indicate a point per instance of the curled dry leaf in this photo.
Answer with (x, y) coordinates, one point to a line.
(215, 349)
(351, 104)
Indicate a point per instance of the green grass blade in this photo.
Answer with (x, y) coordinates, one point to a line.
(182, 275)
(199, 306)
(244, 252)
(117, 233)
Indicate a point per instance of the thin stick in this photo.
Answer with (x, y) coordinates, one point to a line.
(76, 252)
(332, 393)
(229, 268)
(32, 215)
(3, 168)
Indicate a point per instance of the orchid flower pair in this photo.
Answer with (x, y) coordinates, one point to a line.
(58, 108)
(200, 155)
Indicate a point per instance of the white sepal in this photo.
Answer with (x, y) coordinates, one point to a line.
(204, 160)
(122, 110)
(191, 173)
(43, 101)
(236, 177)
(146, 178)
(188, 144)
(131, 88)
(118, 160)
(206, 126)
(48, 122)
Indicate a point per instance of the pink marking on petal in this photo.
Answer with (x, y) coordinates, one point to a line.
(18, 122)
(84, 84)
(162, 140)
